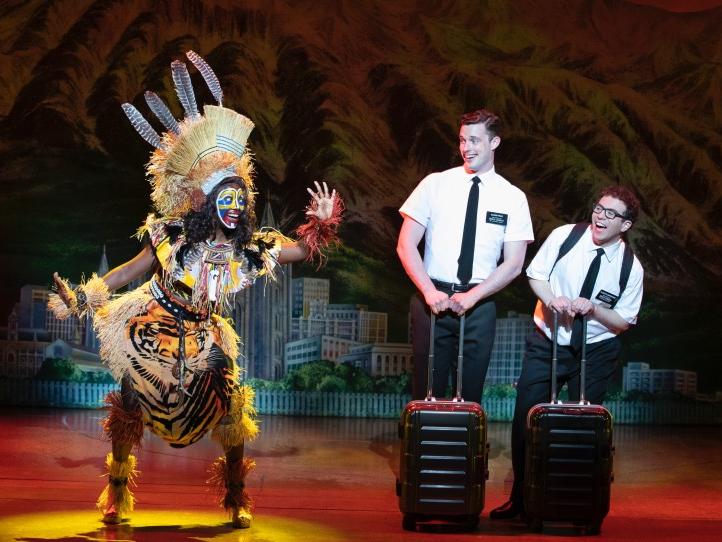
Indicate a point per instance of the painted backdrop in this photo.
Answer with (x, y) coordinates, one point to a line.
(367, 95)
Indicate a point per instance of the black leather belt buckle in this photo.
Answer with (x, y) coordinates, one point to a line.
(452, 286)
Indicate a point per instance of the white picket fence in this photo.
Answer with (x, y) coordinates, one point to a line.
(354, 405)
(53, 393)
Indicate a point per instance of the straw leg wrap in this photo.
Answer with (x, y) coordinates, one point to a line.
(117, 497)
(240, 424)
(124, 423)
(229, 479)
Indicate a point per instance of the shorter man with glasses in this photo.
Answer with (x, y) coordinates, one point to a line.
(590, 278)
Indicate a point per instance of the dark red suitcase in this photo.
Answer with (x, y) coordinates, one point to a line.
(569, 456)
(444, 455)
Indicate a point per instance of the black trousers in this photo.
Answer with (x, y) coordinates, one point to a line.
(478, 341)
(534, 387)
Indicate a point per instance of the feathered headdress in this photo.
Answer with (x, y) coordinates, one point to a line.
(197, 153)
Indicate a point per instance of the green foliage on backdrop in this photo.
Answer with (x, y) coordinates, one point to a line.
(327, 376)
(63, 369)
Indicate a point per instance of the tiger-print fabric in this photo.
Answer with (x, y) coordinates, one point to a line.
(152, 347)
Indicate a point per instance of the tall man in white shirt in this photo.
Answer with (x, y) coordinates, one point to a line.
(469, 216)
(585, 281)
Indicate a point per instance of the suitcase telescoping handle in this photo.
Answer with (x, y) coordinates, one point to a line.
(583, 361)
(459, 364)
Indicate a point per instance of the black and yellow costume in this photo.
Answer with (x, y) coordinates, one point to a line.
(167, 341)
(175, 356)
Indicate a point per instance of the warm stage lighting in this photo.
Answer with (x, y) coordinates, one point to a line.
(160, 525)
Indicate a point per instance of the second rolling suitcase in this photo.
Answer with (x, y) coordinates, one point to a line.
(568, 457)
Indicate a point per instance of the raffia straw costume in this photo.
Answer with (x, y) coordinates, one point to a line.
(166, 342)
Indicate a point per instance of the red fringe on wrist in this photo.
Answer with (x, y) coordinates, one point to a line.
(319, 235)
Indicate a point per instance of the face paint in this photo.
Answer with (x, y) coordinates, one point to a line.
(230, 203)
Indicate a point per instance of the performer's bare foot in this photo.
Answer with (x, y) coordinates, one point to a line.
(111, 517)
(241, 518)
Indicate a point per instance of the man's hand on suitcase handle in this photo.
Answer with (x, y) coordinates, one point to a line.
(462, 302)
(582, 306)
(562, 305)
(436, 300)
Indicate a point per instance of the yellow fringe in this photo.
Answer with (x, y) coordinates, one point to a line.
(229, 341)
(110, 323)
(249, 425)
(120, 497)
(270, 257)
(97, 294)
(243, 424)
(58, 306)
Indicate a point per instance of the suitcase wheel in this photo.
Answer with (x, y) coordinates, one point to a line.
(590, 529)
(408, 523)
(472, 523)
(535, 524)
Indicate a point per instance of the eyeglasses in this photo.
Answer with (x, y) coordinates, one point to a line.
(609, 213)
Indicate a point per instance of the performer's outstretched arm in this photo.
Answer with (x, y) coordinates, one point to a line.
(113, 279)
(130, 270)
(293, 252)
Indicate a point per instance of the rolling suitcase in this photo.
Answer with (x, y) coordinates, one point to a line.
(568, 457)
(444, 455)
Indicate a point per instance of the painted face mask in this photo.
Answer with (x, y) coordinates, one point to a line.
(231, 202)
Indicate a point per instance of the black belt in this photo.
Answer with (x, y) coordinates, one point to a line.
(453, 287)
(174, 308)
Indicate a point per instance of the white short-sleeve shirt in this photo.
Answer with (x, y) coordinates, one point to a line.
(568, 276)
(439, 204)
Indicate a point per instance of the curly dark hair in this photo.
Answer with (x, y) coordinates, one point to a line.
(201, 225)
(626, 196)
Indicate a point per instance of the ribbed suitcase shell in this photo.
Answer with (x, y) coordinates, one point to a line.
(569, 456)
(444, 461)
(444, 454)
(568, 464)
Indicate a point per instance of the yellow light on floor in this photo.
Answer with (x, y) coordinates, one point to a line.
(163, 525)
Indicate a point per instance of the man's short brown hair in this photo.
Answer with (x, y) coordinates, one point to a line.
(485, 117)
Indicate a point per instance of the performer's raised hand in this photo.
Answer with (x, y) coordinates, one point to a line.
(323, 208)
(62, 289)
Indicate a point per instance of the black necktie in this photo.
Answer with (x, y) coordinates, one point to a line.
(586, 293)
(466, 256)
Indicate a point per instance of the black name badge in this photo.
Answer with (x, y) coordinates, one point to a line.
(606, 297)
(496, 218)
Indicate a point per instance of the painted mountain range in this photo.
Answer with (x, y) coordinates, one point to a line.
(367, 94)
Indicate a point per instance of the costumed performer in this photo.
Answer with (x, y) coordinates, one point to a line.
(167, 342)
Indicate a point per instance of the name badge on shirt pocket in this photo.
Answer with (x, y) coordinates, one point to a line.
(496, 218)
(606, 297)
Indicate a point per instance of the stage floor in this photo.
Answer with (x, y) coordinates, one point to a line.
(324, 479)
